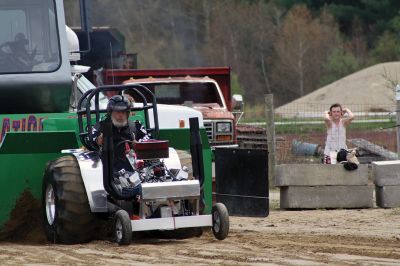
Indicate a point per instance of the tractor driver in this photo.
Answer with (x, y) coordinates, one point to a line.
(119, 108)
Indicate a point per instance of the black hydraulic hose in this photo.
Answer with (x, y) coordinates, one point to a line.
(196, 150)
(97, 108)
(79, 109)
(108, 162)
(83, 135)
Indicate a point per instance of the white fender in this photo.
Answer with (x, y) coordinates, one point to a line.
(92, 175)
(91, 169)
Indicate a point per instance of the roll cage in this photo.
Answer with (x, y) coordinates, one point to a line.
(92, 116)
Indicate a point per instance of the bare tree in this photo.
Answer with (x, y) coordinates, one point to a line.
(302, 46)
(242, 37)
(269, 50)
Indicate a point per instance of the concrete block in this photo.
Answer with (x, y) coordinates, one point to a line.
(320, 175)
(387, 196)
(386, 173)
(318, 197)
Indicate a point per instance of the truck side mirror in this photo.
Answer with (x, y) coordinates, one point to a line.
(237, 102)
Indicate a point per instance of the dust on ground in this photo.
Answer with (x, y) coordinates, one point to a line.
(25, 224)
(341, 237)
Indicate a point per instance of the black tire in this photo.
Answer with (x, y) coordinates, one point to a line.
(220, 221)
(186, 160)
(71, 220)
(122, 228)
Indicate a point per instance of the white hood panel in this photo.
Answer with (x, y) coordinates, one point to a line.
(169, 116)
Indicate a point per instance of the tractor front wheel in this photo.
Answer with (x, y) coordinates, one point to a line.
(66, 212)
(220, 221)
(123, 228)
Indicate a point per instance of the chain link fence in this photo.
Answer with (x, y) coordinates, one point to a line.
(301, 133)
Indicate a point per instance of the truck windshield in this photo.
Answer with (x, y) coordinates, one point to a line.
(183, 93)
(28, 36)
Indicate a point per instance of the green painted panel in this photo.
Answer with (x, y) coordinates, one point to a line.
(20, 172)
(27, 122)
(43, 122)
(208, 179)
(24, 153)
(23, 158)
(56, 124)
(38, 142)
(180, 139)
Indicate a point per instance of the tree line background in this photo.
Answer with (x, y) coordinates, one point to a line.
(285, 47)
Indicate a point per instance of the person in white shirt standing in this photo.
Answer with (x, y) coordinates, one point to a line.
(336, 122)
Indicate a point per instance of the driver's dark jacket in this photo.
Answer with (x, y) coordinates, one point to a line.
(133, 129)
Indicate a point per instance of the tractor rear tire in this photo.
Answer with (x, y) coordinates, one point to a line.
(122, 228)
(66, 212)
(220, 221)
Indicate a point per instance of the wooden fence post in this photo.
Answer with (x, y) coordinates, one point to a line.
(397, 90)
(270, 129)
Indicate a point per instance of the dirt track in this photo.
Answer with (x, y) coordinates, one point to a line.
(342, 237)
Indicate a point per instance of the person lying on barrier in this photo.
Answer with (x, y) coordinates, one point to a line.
(336, 121)
(123, 129)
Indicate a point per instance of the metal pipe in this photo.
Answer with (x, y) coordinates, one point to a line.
(108, 162)
(196, 150)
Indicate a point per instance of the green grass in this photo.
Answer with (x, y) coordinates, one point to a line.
(299, 129)
(256, 113)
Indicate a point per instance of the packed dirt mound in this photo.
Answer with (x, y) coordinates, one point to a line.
(369, 89)
(25, 224)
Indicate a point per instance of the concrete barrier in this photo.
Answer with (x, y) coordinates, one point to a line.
(387, 183)
(388, 196)
(320, 175)
(315, 186)
(326, 197)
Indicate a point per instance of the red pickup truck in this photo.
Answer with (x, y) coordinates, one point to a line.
(204, 89)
